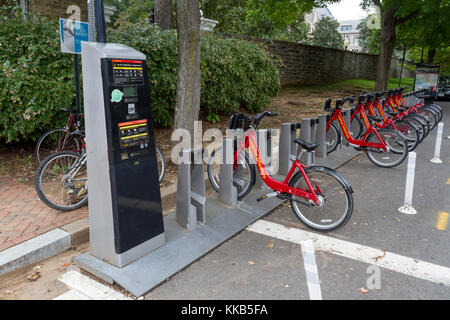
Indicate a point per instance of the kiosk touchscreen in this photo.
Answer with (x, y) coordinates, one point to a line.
(125, 212)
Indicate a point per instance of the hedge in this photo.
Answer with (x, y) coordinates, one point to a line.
(36, 80)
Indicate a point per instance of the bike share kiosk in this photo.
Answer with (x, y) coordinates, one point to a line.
(125, 212)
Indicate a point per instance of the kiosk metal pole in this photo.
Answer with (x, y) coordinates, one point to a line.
(76, 67)
(100, 20)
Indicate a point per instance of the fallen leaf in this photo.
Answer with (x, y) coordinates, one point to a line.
(269, 245)
(34, 276)
(362, 290)
(382, 256)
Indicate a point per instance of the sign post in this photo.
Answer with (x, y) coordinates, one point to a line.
(71, 34)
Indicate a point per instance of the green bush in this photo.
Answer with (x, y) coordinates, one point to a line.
(235, 73)
(36, 80)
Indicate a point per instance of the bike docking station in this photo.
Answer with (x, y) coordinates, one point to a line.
(312, 130)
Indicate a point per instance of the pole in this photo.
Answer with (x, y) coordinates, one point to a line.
(76, 67)
(407, 207)
(100, 20)
(401, 70)
(91, 19)
(437, 149)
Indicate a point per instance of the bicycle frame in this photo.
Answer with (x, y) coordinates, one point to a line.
(282, 187)
(337, 115)
(72, 120)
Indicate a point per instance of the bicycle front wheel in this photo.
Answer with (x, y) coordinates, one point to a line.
(61, 181)
(333, 138)
(397, 148)
(335, 195)
(161, 164)
(243, 176)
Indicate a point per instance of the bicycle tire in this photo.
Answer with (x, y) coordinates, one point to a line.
(402, 154)
(46, 135)
(420, 126)
(343, 189)
(38, 182)
(215, 184)
(357, 127)
(411, 131)
(163, 164)
(333, 138)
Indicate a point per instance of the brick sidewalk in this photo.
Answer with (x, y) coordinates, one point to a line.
(24, 216)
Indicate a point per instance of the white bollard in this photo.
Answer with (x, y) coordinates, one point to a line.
(407, 207)
(437, 149)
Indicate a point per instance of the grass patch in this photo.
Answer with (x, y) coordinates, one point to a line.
(363, 85)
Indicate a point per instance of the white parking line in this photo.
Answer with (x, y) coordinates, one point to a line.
(312, 275)
(72, 295)
(83, 287)
(391, 261)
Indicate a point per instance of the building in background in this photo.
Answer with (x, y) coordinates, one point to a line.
(349, 31)
(314, 16)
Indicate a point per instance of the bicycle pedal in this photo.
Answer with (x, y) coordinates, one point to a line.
(269, 195)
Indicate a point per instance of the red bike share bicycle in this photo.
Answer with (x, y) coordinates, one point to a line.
(385, 148)
(320, 197)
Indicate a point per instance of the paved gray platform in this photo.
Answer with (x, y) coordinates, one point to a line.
(183, 247)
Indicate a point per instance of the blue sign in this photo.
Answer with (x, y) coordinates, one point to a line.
(71, 34)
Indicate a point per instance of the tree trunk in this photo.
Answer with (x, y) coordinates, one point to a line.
(163, 14)
(431, 55)
(187, 107)
(386, 48)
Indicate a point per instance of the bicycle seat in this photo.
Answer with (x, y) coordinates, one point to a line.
(375, 118)
(391, 113)
(379, 94)
(68, 110)
(309, 146)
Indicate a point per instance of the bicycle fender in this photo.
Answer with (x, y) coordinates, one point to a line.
(344, 181)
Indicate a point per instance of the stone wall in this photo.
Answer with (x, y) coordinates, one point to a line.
(57, 8)
(303, 64)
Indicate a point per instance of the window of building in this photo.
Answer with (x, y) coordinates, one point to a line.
(346, 27)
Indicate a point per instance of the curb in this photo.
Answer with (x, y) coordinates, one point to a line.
(39, 248)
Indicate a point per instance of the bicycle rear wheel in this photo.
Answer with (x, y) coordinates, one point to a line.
(397, 148)
(56, 140)
(61, 181)
(334, 194)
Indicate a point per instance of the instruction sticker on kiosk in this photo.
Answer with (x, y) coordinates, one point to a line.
(134, 133)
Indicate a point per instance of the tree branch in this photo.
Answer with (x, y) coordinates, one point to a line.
(408, 17)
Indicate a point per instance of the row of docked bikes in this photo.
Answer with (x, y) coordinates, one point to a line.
(381, 124)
